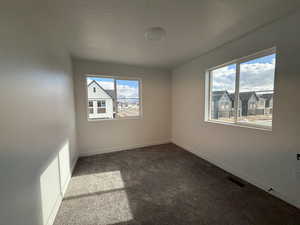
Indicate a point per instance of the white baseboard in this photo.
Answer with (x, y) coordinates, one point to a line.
(61, 196)
(74, 164)
(54, 210)
(65, 186)
(120, 148)
(242, 175)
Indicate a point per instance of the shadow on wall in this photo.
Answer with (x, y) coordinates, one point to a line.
(53, 183)
(32, 186)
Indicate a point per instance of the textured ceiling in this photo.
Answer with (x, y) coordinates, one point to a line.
(113, 30)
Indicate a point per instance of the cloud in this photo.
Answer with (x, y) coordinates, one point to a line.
(123, 91)
(224, 79)
(257, 76)
(126, 91)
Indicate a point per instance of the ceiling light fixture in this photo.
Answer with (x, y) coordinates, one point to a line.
(155, 34)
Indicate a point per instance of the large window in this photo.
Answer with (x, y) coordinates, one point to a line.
(241, 92)
(111, 97)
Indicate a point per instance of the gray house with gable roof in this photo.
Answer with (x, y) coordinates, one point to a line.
(250, 103)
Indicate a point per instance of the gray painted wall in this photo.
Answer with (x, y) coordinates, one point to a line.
(37, 119)
(104, 136)
(267, 159)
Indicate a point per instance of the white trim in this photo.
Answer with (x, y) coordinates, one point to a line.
(60, 197)
(121, 118)
(115, 78)
(54, 211)
(238, 124)
(258, 54)
(208, 87)
(244, 176)
(237, 96)
(98, 151)
(207, 97)
(66, 184)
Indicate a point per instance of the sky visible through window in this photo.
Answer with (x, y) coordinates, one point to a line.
(125, 88)
(255, 95)
(124, 98)
(255, 75)
(224, 78)
(258, 74)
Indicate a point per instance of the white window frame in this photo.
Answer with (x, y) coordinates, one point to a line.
(115, 103)
(208, 86)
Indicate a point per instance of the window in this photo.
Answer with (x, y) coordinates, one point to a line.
(94, 90)
(101, 110)
(90, 108)
(101, 106)
(246, 88)
(128, 101)
(115, 98)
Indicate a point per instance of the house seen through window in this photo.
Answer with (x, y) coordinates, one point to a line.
(110, 98)
(242, 92)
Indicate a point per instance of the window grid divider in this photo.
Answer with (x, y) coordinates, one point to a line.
(262, 53)
(237, 90)
(115, 102)
(116, 98)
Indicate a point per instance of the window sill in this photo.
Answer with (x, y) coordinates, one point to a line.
(125, 118)
(250, 126)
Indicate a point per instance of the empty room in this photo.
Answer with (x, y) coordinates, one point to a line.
(150, 112)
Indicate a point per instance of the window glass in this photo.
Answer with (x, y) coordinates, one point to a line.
(101, 110)
(110, 98)
(256, 90)
(249, 101)
(101, 103)
(128, 101)
(222, 93)
(102, 91)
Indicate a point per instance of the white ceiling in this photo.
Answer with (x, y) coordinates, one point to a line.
(113, 30)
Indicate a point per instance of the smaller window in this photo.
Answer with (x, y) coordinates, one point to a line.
(90, 104)
(101, 110)
(113, 98)
(91, 110)
(101, 104)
